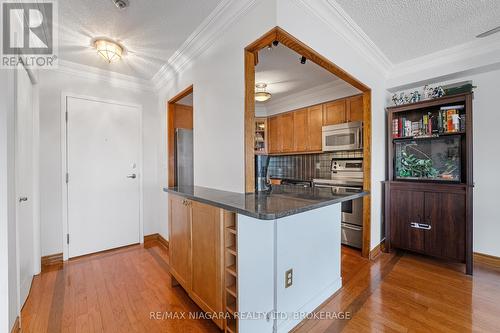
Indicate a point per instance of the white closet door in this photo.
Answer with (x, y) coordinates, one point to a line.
(24, 182)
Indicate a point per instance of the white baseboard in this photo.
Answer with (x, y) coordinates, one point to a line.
(310, 306)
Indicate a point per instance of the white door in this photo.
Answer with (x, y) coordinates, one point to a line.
(103, 141)
(24, 182)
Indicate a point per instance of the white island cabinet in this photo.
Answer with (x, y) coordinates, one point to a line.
(306, 243)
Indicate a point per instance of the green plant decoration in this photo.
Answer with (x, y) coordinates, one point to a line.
(412, 166)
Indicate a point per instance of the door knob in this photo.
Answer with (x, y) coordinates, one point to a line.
(21, 199)
(133, 176)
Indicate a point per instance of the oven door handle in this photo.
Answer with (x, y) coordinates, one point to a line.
(330, 186)
(351, 227)
(322, 185)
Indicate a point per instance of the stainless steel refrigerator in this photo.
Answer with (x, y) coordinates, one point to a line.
(184, 157)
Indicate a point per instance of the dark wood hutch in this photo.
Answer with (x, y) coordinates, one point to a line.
(430, 215)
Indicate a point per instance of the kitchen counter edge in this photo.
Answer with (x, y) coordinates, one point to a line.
(262, 215)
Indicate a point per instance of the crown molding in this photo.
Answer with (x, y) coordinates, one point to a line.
(115, 79)
(463, 58)
(227, 12)
(332, 14)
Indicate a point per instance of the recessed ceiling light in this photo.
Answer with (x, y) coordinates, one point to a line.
(489, 32)
(261, 95)
(108, 50)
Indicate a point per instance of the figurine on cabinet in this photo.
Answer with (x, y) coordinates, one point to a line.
(438, 92)
(415, 97)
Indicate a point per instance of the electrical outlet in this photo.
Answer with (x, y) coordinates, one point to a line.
(288, 278)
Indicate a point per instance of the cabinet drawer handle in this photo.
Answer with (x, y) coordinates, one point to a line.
(420, 226)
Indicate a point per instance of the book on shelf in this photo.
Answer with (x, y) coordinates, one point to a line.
(395, 128)
(448, 119)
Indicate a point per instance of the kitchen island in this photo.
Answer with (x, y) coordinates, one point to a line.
(274, 256)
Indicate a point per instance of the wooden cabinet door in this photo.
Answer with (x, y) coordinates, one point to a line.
(180, 240)
(315, 122)
(206, 254)
(407, 207)
(300, 130)
(334, 112)
(274, 144)
(355, 108)
(286, 132)
(445, 213)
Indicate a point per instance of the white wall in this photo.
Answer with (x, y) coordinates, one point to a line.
(486, 117)
(8, 261)
(52, 84)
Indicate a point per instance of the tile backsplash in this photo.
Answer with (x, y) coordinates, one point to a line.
(306, 166)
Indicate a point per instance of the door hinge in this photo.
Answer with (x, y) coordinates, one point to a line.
(67, 177)
(66, 116)
(67, 238)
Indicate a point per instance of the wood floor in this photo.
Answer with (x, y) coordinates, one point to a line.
(117, 291)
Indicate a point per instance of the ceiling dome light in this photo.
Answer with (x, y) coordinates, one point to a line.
(109, 50)
(261, 95)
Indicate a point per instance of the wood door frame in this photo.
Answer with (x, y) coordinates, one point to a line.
(64, 163)
(171, 132)
(251, 59)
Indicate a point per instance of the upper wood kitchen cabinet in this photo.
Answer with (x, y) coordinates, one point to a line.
(286, 130)
(354, 107)
(196, 252)
(281, 133)
(300, 130)
(274, 144)
(334, 112)
(315, 122)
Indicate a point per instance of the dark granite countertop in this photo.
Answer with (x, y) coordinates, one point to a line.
(279, 202)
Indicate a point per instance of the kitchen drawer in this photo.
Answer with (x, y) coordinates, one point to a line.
(352, 235)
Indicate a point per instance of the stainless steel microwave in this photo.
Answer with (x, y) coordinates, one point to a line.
(348, 136)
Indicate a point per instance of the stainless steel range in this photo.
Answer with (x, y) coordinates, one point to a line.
(347, 177)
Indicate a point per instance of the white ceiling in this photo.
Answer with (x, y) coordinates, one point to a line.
(406, 29)
(150, 30)
(281, 70)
